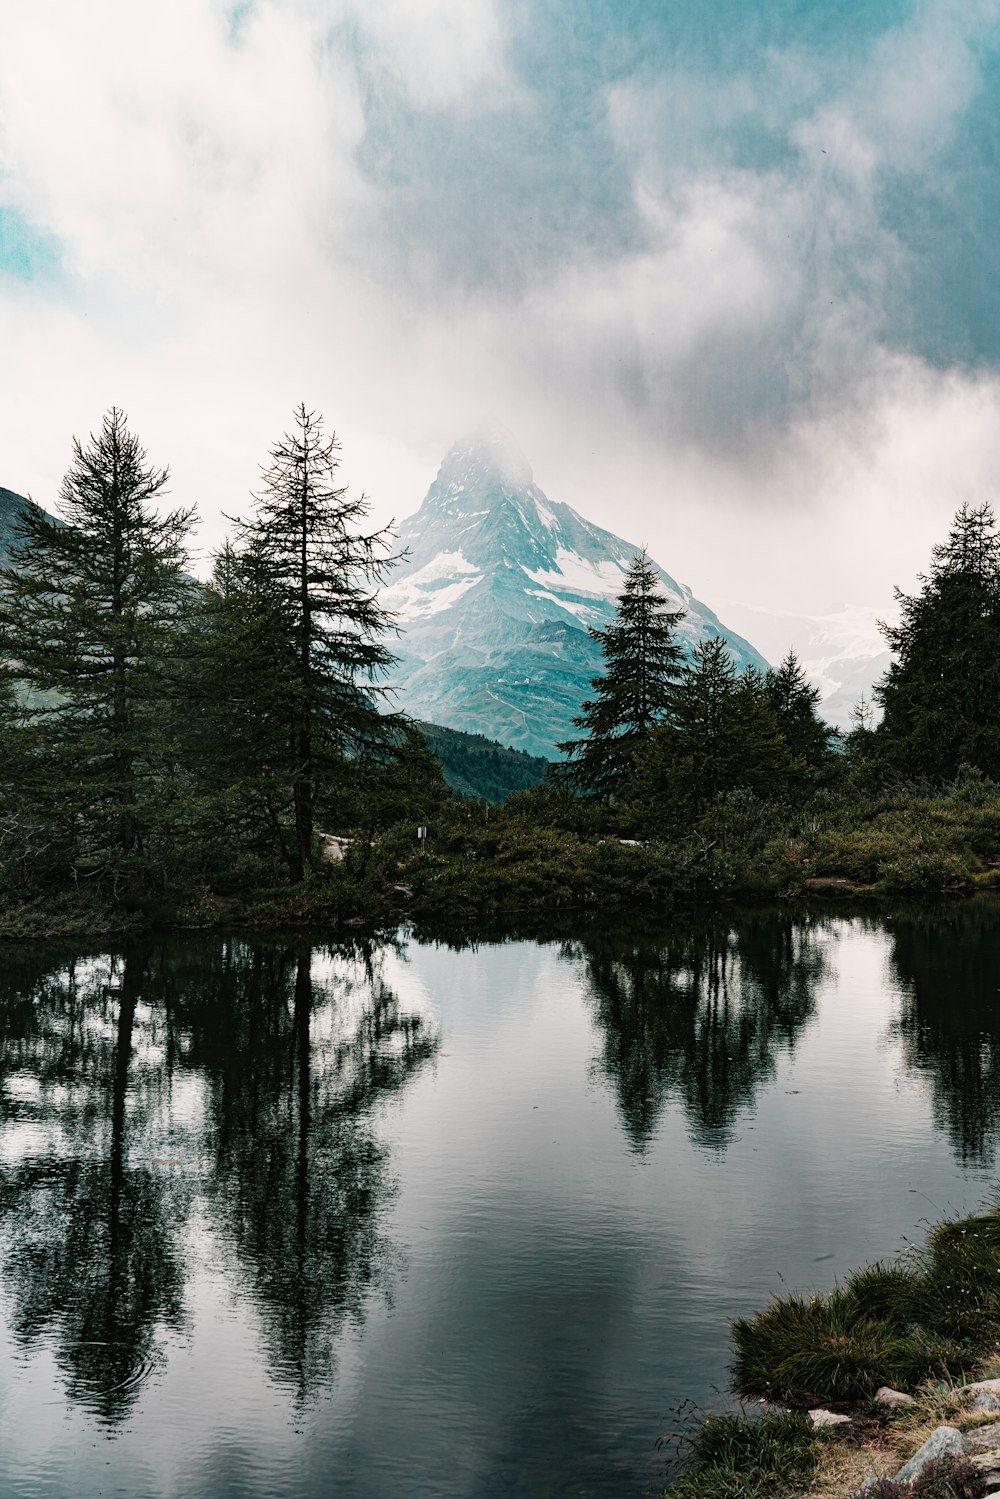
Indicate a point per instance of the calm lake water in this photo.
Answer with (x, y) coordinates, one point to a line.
(385, 1218)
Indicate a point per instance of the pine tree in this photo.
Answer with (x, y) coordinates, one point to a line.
(314, 575)
(641, 663)
(90, 612)
(941, 695)
(795, 702)
(722, 735)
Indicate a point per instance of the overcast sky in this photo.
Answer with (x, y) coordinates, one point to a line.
(727, 269)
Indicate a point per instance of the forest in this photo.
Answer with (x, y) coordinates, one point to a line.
(174, 751)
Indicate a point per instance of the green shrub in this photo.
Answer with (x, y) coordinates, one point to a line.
(811, 1349)
(736, 1457)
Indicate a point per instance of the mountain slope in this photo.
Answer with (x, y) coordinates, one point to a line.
(475, 766)
(495, 597)
(10, 504)
(842, 651)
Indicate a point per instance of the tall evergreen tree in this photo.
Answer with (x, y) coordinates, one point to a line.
(795, 702)
(90, 611)
(722, 735)
(641, 663)
(314, 576)
(941, 695)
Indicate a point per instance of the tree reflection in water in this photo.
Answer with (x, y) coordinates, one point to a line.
(300, 1047)
(947, 963)
(697, 1011)
(89, 1225)
(98, 1173)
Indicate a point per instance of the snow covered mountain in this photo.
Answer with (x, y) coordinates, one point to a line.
(495, 597)
(842, 651)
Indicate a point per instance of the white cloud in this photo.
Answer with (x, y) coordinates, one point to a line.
(724, 390)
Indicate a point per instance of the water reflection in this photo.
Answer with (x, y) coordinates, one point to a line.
(947, 963)
(697, 1011)
(89, 1224)
(289, 1050)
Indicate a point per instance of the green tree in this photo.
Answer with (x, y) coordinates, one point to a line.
(309, 574)
(641, 664)
(90, 618)
(795, 701)
(940, 696)
(722, 735)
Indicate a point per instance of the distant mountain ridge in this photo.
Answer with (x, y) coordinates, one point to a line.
(496, 595)
(10, 504)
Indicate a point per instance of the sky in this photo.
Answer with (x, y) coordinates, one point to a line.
(726, 268)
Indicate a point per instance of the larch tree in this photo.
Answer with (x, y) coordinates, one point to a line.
(722, 735)
(91, 607)
(642, 662)
(314, 577)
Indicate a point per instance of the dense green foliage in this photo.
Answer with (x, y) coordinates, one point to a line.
(941, 695)
(641, 663)
(90, 624)
(476, 766)
(183, 751)
(304, 579)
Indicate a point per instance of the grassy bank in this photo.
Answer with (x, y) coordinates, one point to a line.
(541, 853)
(925, 1325)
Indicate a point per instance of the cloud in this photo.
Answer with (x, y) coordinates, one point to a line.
(719, 285)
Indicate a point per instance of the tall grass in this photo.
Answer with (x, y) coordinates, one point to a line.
(734, 1457)
(891, 1324)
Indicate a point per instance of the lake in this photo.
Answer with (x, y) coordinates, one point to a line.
(400, 1216)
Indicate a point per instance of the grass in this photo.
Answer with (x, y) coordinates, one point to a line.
(895, 1324)
(925, 1325)
(737, 1457)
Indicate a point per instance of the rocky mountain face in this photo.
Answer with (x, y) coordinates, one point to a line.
(495, 598)
(10, 504)
(842, 651)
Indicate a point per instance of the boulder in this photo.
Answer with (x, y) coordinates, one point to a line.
(944, 1441)
(984, 1438)
(991, 1386)
(985, 1403)
(987, 1463)
(828, 1418)
(891, 1400)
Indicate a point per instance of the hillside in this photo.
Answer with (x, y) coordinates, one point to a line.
(476, 766)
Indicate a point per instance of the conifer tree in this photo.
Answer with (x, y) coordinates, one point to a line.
(90, 611)
(641, 663)
(722, 735)
(795, 702)
(314, 577)
(941, 695)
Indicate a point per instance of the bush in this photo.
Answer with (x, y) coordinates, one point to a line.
(736, 1457)
(804, 1350)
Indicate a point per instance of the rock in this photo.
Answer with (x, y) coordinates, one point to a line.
(985, 1437)
(828, 1418)
(944, 1441)
(891, 1400)
(985, 1403)
(990, 1386)
(987, 1464)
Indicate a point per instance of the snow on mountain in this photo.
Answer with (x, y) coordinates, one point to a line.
(496, 595)
(842, 650)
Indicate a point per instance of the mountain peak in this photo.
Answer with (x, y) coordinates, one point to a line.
(498, 595)
(487, 459)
